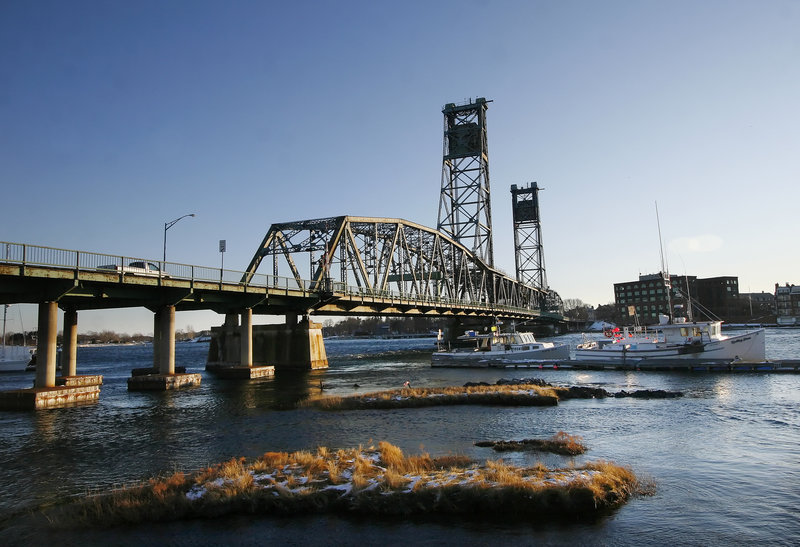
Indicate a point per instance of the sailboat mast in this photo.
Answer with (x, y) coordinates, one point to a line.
(664, 267)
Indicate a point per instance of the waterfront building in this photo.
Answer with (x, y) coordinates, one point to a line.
(644, 299)
(720, 296)
(787, 305)
(758, 306)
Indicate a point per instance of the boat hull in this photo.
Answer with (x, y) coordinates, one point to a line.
(749, 347)
(14, 358)
(558, 352)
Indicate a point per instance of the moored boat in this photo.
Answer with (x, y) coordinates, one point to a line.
(14, 358)
(679, 340)
(498, 348)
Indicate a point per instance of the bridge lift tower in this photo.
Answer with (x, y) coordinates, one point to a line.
(528, 249)
(464, 206)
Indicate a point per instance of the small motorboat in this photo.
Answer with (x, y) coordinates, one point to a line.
(498, 348)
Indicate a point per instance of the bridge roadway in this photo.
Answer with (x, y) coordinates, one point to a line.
(78, 280)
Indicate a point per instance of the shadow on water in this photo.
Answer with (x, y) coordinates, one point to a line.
(283, 391)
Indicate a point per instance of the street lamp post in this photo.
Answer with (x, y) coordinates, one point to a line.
(167, 226)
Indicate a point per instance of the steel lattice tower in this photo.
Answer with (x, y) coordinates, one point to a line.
(528, 249)
(464, 206)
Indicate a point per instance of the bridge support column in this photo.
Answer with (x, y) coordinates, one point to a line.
(232, 331)
(167, 340)
(162, 376)
(46, 349)
(69, 353)
(157, 340)
(246, 335)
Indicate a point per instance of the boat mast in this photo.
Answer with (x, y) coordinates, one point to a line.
(664, 268)
(5, 312)
(689, 314)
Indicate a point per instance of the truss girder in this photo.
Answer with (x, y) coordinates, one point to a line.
(383, 256)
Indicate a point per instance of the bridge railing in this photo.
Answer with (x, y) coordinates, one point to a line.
(37, 255)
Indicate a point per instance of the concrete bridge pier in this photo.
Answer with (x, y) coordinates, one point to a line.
(69, 351)
(163, 375)
(49, 391)
(291, 346)
(236, 361)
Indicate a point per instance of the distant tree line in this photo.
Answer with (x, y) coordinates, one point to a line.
(368, 326)
(103, 337)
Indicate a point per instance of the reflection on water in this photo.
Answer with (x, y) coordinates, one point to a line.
(724, 456)
(723, 388)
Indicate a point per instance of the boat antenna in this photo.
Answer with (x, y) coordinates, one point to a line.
(664, 267)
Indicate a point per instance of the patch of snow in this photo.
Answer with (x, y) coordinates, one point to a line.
(345, 488)
(196, 492)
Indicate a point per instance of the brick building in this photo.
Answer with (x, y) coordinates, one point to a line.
(647, 297)
(787, 305)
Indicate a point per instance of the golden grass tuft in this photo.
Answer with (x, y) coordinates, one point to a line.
(393, 480)
(451, 461)
(272, 460)
(502, 474)
(232, 468)
(573, 444)
(334, 473)
(392, 457)
(161, 488)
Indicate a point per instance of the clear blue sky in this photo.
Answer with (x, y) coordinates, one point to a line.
(119, 116)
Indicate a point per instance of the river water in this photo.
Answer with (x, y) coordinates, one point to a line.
(725, 458)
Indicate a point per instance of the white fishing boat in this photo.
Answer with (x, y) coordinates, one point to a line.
(498, 348)
(12, 358)
(675, 339)
(679, 340)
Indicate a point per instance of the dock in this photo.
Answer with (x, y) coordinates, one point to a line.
(782, 366)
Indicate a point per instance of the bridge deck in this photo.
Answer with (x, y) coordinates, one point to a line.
(83, 280)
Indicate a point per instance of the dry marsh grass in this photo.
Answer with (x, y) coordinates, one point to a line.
(378, 481)
(511, 395)
(560, 443)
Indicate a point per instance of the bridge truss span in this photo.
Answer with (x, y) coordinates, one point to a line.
(391, 266)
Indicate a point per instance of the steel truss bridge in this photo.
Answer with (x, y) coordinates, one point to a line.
(354, 265)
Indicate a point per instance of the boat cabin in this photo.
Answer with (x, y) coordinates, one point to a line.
(502, 341)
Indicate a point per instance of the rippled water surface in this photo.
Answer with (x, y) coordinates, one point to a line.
(725, 457)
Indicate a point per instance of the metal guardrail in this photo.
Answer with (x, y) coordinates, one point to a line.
(37, 255)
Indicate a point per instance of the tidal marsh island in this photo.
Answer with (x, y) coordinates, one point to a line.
(378, 481)
(516, 392)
